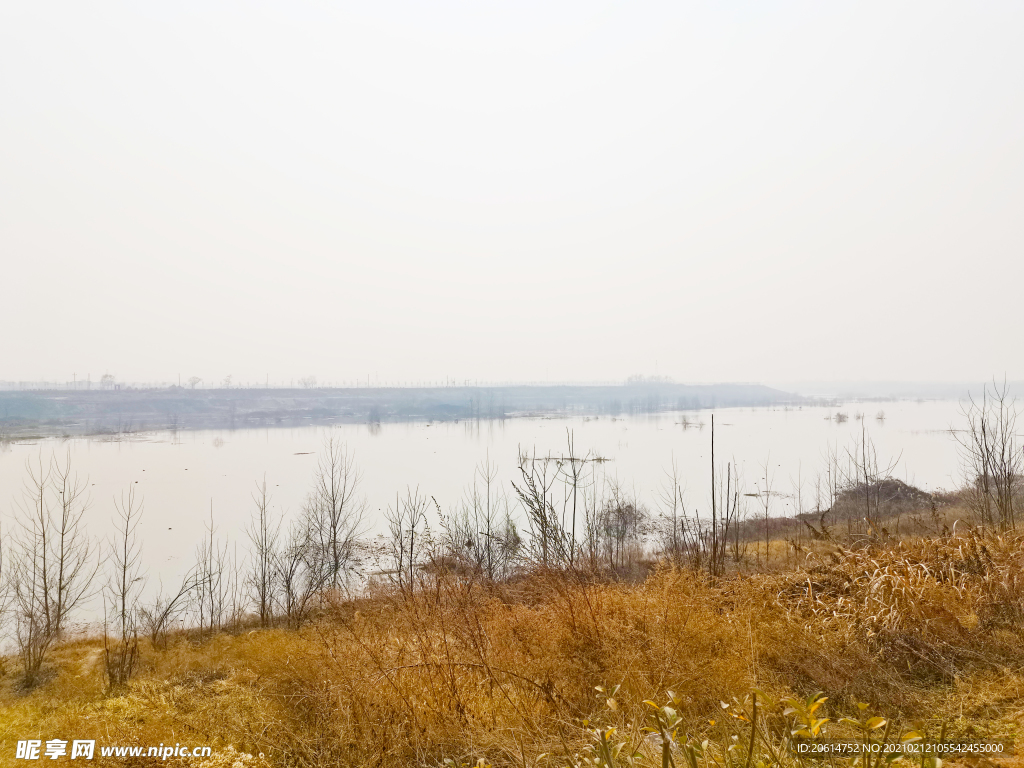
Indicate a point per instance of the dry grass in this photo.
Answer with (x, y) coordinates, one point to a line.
(924, 630)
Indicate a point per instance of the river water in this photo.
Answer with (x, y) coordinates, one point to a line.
(184, 476)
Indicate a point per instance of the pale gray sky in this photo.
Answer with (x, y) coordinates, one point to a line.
(517, 190)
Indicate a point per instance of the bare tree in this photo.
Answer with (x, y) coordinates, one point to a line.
(408, 537)
(53, 563)
(681, 537)
(121, 594)
(827, 488)
(159, 616)
(299, 575)
(572, 469)
(724, 511)
(714, 504)
(5, 585)
(696, 543)
(623, 525)
(870, 480)
(215, 591)
(738, 515)
(264, 534)
(481, 531)
(334, 514)
(726, 519)
(764, 490)
(797, 495)
(673, 513)
(991, 457)
(550, 543)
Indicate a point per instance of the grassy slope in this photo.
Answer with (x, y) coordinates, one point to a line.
(926, 630)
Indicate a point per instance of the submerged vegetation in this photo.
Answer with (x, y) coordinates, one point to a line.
(561, 623)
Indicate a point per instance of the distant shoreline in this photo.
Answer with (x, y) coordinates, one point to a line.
(49, 413)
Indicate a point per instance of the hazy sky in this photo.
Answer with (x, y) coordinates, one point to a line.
(521, 190)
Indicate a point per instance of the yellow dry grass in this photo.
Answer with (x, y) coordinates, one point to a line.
(925, 630)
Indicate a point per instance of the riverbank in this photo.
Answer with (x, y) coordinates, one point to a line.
(924, 631)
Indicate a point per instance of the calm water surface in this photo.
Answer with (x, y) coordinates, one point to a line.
(182, 476)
